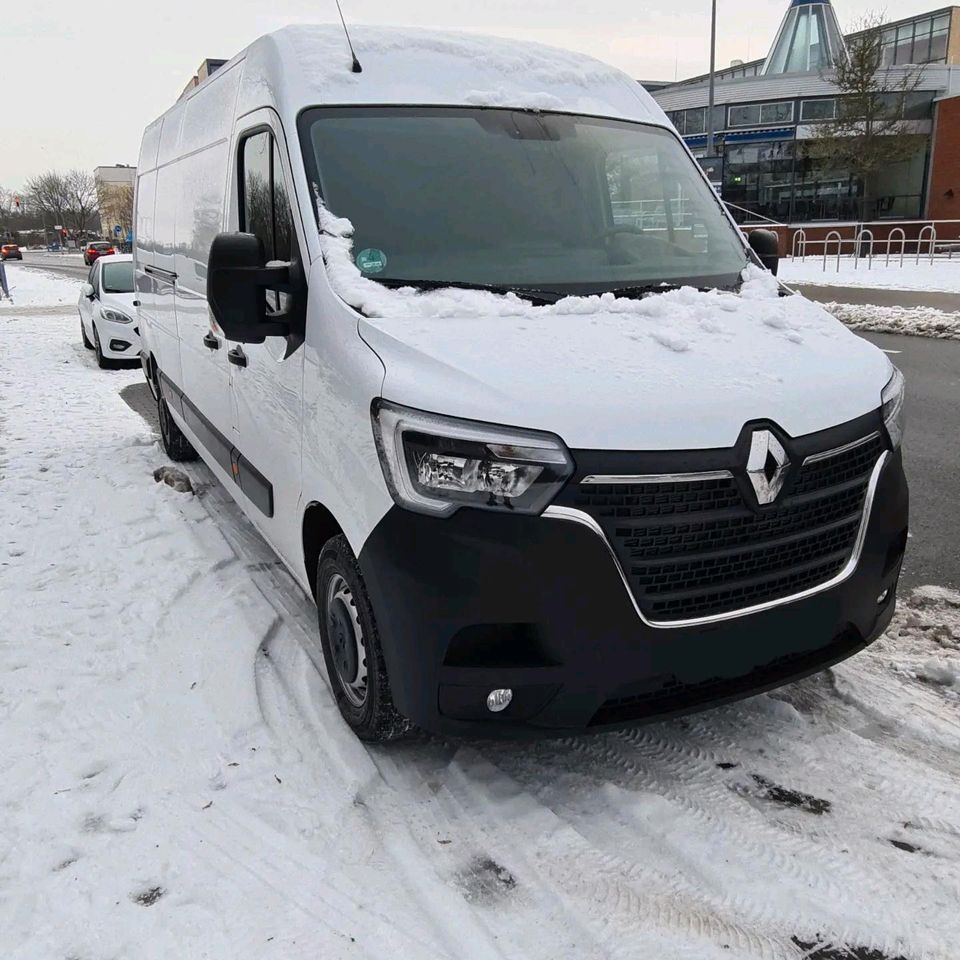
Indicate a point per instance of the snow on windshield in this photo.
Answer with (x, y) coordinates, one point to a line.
(678, 320)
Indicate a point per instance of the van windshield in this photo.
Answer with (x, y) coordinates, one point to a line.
(505, 198)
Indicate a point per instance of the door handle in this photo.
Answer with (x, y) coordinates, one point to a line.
(237, 357)
(211, 342)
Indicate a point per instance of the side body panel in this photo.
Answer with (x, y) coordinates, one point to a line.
(342, 377)
(202, 174)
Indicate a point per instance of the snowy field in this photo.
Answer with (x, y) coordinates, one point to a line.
(36, 290)
(177, 781)
(941, 275)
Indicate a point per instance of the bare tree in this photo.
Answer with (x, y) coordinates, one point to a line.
(869, 132)
(82, 198)
(49, 194)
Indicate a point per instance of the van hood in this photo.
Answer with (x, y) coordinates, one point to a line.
(679, 370)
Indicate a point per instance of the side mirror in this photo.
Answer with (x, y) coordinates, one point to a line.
(766, 245)
(237, 281)
(87, 291)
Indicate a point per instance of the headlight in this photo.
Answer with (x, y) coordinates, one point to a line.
(891, 407)
(434, 464)
(115, 315)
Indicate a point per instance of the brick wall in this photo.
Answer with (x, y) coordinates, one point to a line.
(943, 199)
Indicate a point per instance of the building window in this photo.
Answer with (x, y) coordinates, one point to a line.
(919, 41)
(812, 110)
(752, 114)
(693, 122)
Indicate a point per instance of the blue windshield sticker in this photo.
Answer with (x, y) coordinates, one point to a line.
(371, 260)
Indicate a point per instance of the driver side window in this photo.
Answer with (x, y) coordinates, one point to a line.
(264, 202)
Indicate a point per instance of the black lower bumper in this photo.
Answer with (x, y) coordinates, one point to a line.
(481, 600)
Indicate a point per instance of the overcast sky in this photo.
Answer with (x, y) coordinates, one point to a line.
(82, 80)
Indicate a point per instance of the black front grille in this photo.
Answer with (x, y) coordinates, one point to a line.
(698, 548)
(667, 694)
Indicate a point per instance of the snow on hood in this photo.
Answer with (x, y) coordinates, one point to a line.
(682, 369)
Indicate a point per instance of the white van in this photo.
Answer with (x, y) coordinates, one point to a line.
(471, 340)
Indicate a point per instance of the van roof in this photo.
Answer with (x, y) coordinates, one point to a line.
(308, 65)
(302, 66)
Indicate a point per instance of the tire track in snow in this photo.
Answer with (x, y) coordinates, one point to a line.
(634, 910)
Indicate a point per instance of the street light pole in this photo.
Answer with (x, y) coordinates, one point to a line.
(713, 60)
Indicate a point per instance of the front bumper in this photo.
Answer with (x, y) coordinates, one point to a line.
(119, 341)
(483, 600)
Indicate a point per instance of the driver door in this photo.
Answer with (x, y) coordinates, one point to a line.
(268, 377)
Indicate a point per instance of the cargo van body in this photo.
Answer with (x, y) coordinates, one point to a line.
(476, 347)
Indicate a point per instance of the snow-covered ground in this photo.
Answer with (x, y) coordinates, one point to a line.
(31, 288)
(177, 781)
(941, 275)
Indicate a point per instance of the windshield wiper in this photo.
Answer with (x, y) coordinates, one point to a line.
(532, 295)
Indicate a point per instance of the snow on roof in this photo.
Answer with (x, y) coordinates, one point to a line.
(302, 65)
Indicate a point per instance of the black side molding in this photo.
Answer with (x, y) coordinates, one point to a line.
(256, 487)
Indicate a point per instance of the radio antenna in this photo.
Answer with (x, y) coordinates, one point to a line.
(355, 67)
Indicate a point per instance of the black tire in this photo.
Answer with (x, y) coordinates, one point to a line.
(83, 334)
(177, 446)
(102, 362)
(342, 603)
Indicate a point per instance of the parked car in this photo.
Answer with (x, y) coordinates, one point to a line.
(672, 488)
(97, 248)
(10, 251)
(107, 314)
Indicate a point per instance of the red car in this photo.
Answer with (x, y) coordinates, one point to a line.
(97, 248)
(10, 251)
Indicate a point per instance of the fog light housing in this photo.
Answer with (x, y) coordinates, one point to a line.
(499, 699)
(119, 345)
(883, 596)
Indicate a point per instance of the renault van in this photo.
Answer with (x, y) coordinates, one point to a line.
(469, 337)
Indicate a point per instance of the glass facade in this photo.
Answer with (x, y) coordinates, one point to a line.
(923, 40)
(809, 39)
(779, 180)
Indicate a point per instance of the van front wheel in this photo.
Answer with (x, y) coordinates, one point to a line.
(351, 647)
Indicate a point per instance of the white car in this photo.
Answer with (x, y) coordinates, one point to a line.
(107, 313)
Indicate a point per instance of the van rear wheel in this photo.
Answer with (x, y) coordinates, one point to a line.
(351, 647)
(175, 443)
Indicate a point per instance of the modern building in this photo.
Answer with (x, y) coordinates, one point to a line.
(765, 110)
(115, 197)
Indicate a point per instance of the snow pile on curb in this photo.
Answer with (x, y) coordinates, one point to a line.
(941, 275)
(31, 288)
(914, 321)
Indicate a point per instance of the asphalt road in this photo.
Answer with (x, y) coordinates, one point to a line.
(931, 452)
(67, 264)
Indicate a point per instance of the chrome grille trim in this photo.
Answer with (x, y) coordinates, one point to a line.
(836, 451)
(623, 478)
(572, 515)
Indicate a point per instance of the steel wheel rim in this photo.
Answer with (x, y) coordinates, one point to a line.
(345, 635)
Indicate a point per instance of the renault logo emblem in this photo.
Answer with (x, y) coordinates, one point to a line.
(767, 466)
